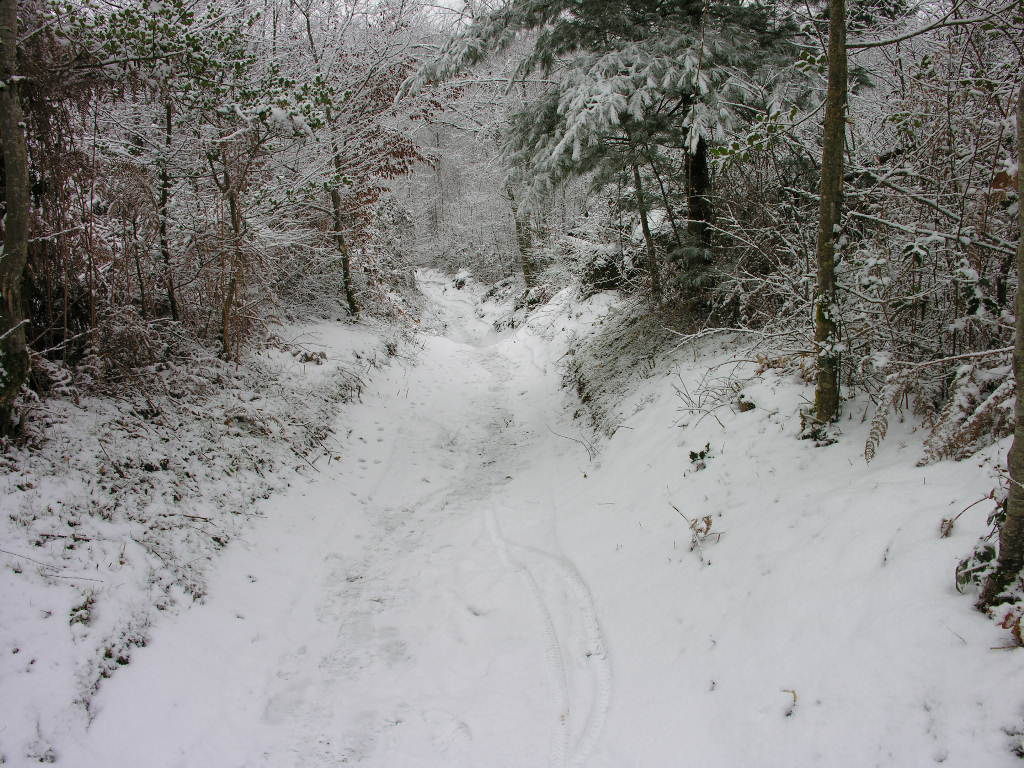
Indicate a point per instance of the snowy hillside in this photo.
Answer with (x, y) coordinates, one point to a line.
(478, 579)
(115, 508)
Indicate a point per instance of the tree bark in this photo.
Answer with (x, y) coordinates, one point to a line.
(652, 256)
(165, 198)
(1011, 532)
(524, 241)
(138, 267)
(14, 364)
(234, 276)
(826, 395)
(339, 237)
(698, 189)
(335, 194)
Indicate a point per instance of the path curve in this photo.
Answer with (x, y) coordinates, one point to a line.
(409, 606)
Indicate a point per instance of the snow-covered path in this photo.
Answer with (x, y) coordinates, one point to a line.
(465, 586)
(409, 606)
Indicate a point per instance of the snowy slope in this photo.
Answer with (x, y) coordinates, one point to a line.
(474, 583)
(109, 521)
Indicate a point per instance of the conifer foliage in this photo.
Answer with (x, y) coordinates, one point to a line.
(636, 89)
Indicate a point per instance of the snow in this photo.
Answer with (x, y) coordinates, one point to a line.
(478, 580)
(112, 515)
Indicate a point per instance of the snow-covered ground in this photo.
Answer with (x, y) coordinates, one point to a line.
(114, 510)
(471, 581)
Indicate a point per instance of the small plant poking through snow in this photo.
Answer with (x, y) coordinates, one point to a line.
(1012, 617)
(316, 358)
(82, 613)
(700, 533)
(1016, 741)
(974, 569)
(822, 435)
(699, 458)
(712, 393)
(949, 523)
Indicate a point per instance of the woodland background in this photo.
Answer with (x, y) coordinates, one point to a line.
(193, 173)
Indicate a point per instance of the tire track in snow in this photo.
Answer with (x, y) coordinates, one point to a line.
(596, 649)
(565, 751)
(553, 650)
(596, 653)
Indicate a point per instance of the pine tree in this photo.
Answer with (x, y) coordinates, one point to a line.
(620, 81)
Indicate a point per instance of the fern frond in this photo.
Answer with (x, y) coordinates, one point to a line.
(891, 394)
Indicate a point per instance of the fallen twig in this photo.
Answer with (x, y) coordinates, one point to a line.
(50, 567)
(591, 452)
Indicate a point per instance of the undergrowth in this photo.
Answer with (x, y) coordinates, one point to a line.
(134, 471)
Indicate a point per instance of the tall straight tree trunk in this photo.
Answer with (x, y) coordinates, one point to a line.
(652, 255)
(339, 236)
(165, 199)
(826, 395)
(1011, 533)
(14, 364)
(698, 193)
(235, 274)
(524, 241)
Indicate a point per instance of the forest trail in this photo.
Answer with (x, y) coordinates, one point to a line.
(408, 606)
(464, 585)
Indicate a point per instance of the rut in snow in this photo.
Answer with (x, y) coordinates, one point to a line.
(410, 606)
(515, 429)
(531, 561)
(596, 652)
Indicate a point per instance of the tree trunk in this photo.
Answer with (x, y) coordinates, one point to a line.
(524, 241)
(138, 266)
(1011, 532)
(335, 194)
(165, 198)
(665, 201)
(698, 194)
(14, 363)
(339, 238)
(826, 395)
(235, 275)
(652, 256)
